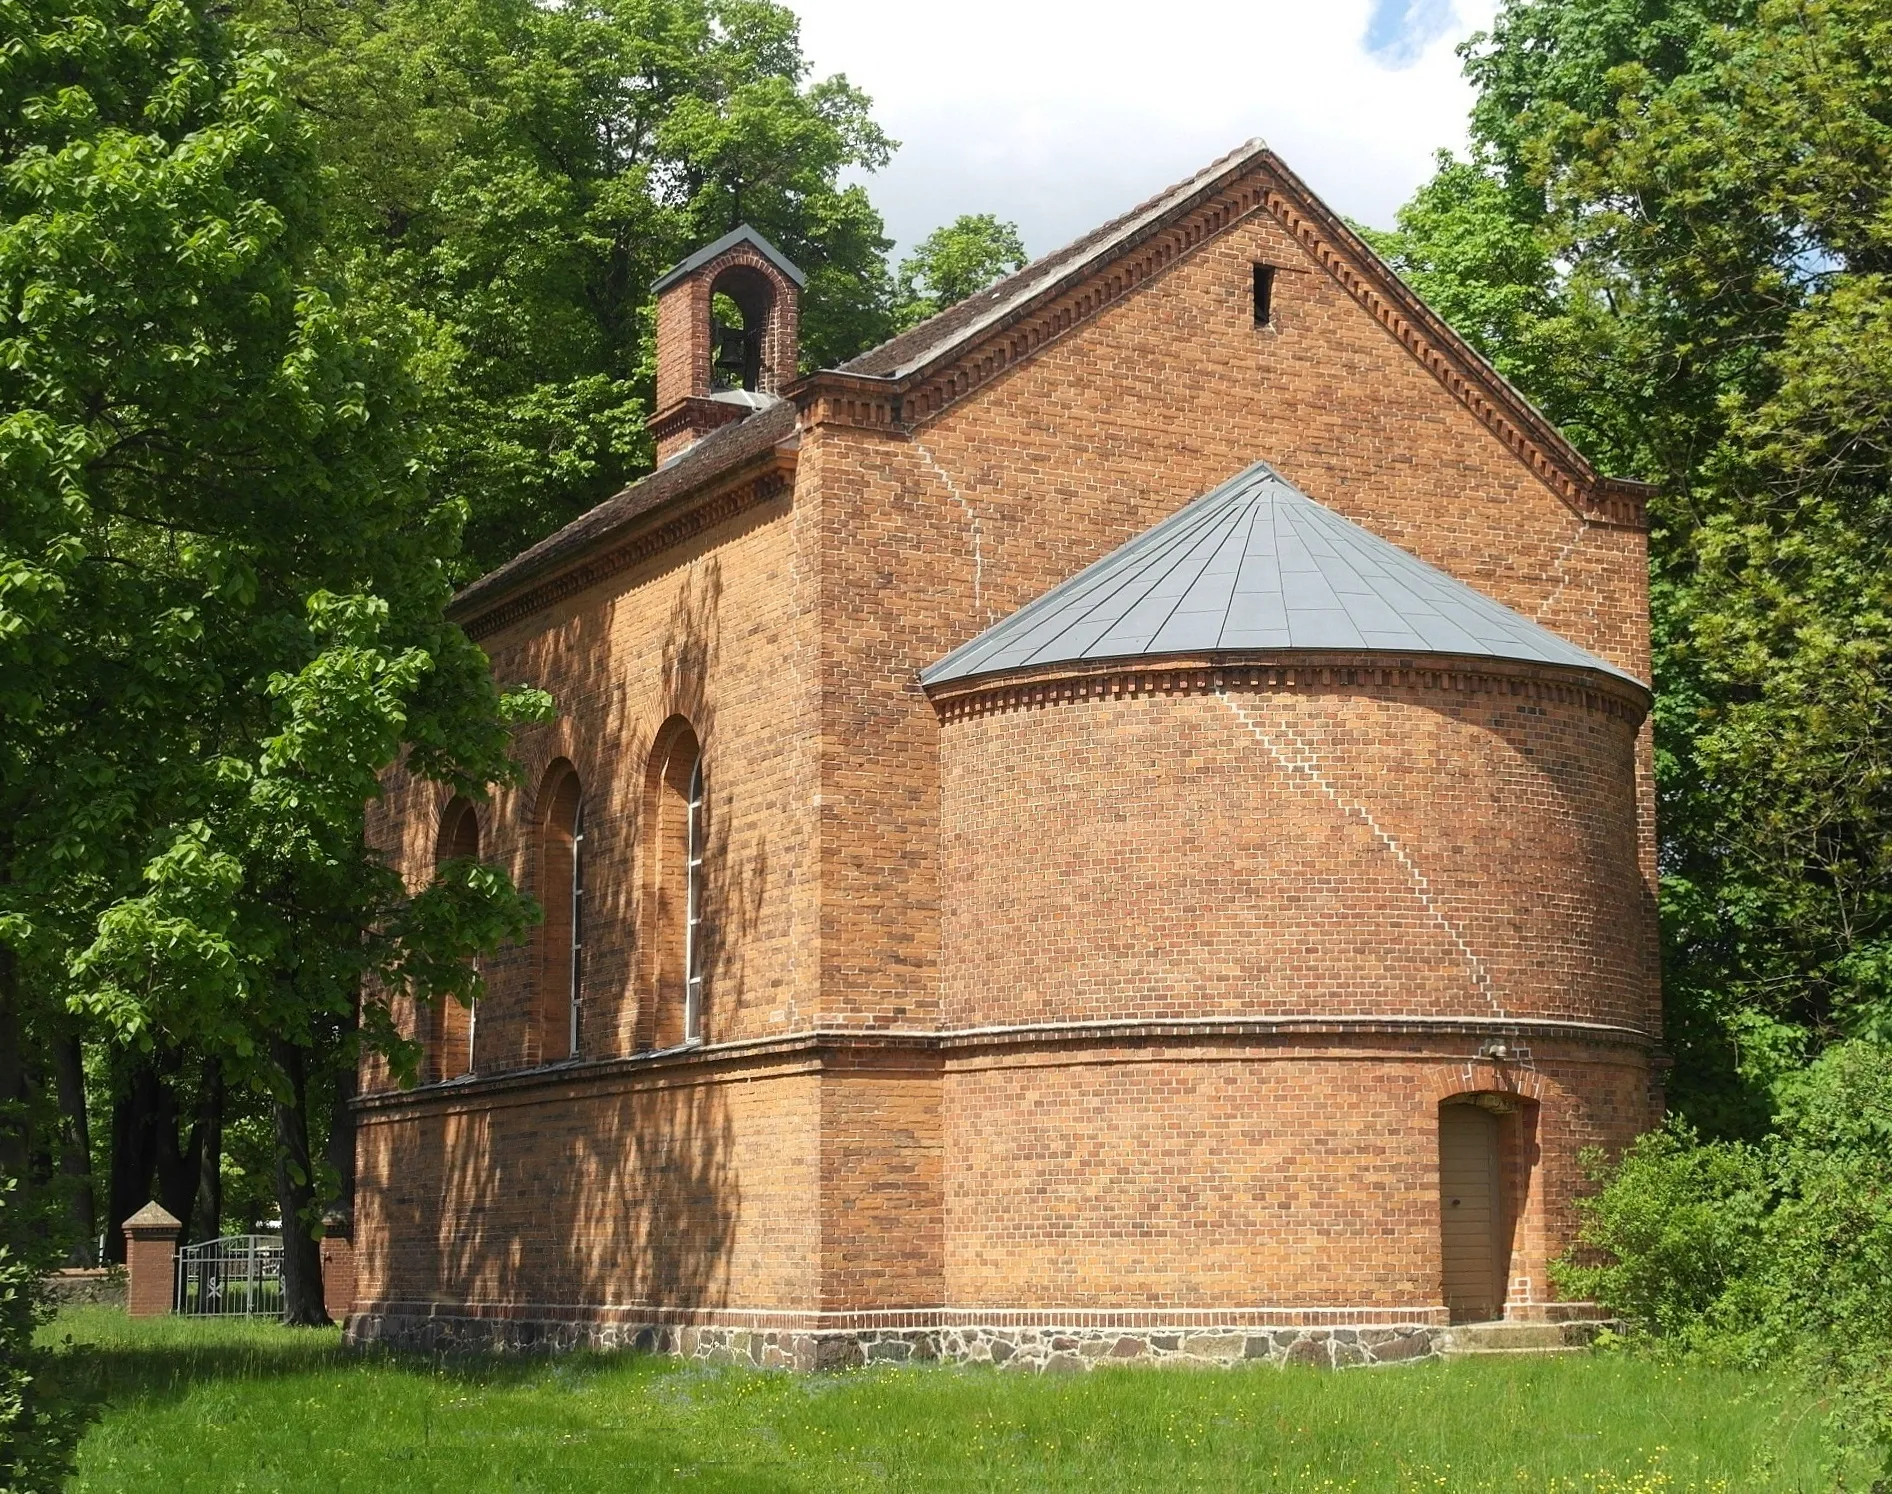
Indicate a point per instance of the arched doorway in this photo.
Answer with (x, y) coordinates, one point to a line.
(1474, 1237)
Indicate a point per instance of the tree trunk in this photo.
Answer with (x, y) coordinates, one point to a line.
(135, 1114)
(75, 1143)
(341, 1125)
(209, 1214)
(295, 1191)
(177, 1167)
(15, 1142)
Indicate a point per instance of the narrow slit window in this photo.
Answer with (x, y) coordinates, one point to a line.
(578, 924)
(1264, 295)
(693, 912)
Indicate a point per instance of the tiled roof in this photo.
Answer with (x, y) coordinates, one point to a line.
(717, 453)
(1257, 565)
(742, 234)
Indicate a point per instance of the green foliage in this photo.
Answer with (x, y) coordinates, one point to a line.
(1756, 1254)
(954, 262)
(237, 580)
(1673, 233)
(223, 575)
(1830, 1240)
(1674, 1230)
(35, 1431)
(519, 173)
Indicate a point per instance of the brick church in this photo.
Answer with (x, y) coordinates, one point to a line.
(1117, 824)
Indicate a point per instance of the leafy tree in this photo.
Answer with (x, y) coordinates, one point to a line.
(953, 262)
(520, 173)
(222, 580)
(1672, 233)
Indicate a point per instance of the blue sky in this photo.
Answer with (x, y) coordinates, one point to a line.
(1060, 115)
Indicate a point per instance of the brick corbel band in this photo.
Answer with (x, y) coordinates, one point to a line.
(1299, 670)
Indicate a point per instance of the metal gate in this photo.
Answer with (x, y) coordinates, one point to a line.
(239, 1275)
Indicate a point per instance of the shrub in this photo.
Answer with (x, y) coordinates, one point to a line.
(1828, 1248)
(1672, 1239)
(35, 1442)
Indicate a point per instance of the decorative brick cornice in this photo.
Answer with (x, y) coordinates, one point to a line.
(1296, 672)
(698, 414)
(716, 503)
(900, 404)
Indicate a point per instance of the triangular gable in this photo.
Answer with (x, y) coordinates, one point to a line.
(912, 378)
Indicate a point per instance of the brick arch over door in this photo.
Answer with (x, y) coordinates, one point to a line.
(670, 984)
(558, 1007)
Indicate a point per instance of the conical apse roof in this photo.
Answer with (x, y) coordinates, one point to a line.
(1257, 565)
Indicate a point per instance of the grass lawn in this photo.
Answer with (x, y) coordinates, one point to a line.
(233, 1406)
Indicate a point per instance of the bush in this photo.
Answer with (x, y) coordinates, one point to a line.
(1828, 1248)
(1672, 1239)
(1777, 1252)
(35, 1441)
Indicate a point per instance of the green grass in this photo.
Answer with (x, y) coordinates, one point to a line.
(180, 1405)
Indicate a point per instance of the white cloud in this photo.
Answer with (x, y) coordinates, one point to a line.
(1060, 115)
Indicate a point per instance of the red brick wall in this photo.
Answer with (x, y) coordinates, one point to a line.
(1099, 435)
(670, 1187)
(1156, 1175)
(1399, 847)
(721, 635)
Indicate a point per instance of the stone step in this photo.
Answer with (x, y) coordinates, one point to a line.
(1519, 1338)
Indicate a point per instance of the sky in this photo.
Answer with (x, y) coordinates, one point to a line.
(1060, 115)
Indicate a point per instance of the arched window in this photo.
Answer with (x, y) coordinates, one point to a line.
(449, 1050)
(693, 906)
(677, 958)
(562, 895)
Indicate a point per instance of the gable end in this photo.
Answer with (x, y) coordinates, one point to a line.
(989, 344)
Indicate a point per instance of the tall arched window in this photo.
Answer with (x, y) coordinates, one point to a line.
(676, 961)
(561, 894)
(450, 1045)
(693, 906)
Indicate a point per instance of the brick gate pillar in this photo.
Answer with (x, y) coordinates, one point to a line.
(150, 1261)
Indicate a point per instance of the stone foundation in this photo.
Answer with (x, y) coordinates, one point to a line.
(1023, 1348)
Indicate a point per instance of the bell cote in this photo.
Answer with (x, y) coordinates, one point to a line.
(726, 337)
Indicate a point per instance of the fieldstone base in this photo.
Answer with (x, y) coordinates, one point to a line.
(92, 1285)
(1032, 1349)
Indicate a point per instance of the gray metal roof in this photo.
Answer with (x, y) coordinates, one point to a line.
(742, 234)
(1257, 565)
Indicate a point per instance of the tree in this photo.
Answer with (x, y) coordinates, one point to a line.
(520, 173)
(953, 262)
(222, 580)
(1672, 233)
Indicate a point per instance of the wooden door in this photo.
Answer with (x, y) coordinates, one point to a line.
(1471, 1207)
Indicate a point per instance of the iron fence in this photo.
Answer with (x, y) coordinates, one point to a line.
(237, 1276)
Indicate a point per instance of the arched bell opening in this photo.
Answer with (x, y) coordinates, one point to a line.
(742, 302)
